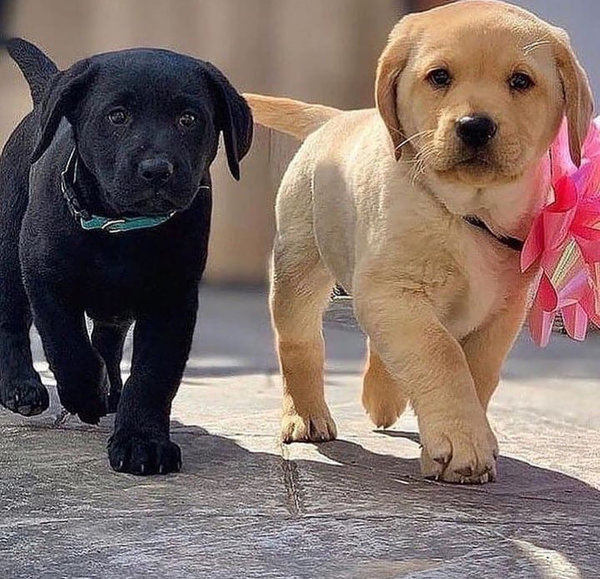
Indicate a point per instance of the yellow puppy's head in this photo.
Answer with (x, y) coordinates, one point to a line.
(475, 91)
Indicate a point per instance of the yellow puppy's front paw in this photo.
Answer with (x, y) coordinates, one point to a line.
(465, 455)
(383, 411)
(315, 426)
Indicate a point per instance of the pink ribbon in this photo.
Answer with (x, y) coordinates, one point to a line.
(564, 242)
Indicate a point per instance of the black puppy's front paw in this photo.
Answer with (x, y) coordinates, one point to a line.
(90, 404)
(26, 397)
(143, 453)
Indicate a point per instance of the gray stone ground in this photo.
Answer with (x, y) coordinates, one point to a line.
(246, 507)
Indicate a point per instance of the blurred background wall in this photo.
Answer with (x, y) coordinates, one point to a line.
(317, 50)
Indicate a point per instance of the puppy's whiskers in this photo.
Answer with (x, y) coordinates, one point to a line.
(421, 161)
(421, 153)
(419, 135)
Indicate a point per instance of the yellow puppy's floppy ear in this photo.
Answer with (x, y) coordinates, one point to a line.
(579, 101)
(391, 64)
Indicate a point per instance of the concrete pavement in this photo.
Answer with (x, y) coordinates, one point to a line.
(244, 506)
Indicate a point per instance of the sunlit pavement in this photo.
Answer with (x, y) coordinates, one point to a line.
(244, 506)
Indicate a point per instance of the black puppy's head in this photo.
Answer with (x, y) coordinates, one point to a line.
(147, 125)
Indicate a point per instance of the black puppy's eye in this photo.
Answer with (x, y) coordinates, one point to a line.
(439, 77)
(520, 81)
(118, 116)
(187, 119)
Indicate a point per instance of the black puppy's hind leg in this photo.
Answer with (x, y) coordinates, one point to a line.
(109, 339)
(21, 389)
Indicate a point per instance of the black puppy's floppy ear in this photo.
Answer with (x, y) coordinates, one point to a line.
(234, 119)
(63, 93)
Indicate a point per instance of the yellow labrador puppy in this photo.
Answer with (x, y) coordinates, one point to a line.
(418, 209)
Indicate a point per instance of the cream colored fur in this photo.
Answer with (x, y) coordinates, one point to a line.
(440, 301)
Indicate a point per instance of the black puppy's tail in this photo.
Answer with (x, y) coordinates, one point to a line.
(36, 67)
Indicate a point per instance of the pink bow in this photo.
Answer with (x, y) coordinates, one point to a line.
(564, 241)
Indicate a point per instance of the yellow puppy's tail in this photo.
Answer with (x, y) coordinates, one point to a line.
(289, 116)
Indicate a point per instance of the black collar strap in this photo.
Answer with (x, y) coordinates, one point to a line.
(507, 241)
(68, 178)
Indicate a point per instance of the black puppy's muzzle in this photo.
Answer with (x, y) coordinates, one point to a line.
(156, 172)
(476, 131)
(150, 186)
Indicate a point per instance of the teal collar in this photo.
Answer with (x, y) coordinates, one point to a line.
(121, 224)
(90, 222)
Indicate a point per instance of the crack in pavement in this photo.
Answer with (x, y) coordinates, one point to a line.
(291, 482)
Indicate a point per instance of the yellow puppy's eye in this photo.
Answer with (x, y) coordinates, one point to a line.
(439, 77)
(187, 119)
(520, 81)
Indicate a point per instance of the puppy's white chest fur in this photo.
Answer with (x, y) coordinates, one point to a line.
(490, 270)
(488, 274)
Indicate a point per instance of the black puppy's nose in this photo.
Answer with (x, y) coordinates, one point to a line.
(476, 130)
(155, 171)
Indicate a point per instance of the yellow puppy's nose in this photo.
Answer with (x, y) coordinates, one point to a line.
(476, 130)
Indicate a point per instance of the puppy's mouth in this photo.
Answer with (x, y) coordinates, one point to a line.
(156, 204)
(468, 166)
(477, 160)
(477, 167)
(502, 160)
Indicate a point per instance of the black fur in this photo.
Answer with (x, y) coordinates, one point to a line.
(50, 266)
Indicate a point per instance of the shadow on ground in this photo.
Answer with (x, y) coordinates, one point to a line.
(237, 512)
(244, 506)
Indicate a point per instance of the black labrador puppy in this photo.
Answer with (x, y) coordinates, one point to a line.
(105, 205)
